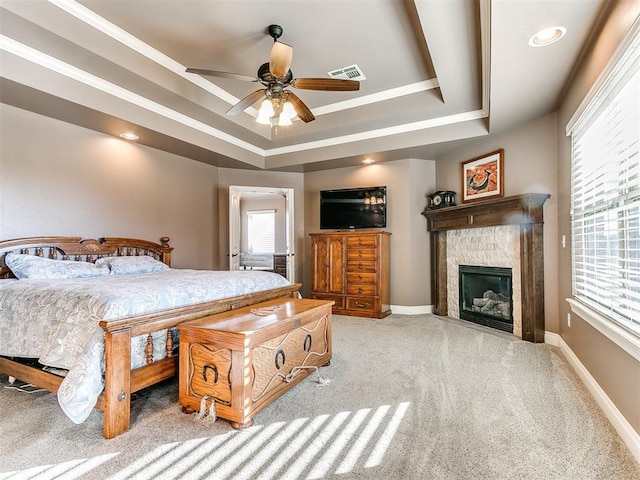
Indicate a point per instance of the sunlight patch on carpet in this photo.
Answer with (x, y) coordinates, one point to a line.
(309, 448)
(60, 471)
(385, 439)
(303, 448)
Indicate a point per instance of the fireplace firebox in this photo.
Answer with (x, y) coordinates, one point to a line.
(486, 296)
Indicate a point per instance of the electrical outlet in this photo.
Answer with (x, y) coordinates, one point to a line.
(569, 320)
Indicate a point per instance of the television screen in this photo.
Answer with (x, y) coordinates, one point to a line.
(351, 208)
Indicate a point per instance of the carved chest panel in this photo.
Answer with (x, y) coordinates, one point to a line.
(244, 359)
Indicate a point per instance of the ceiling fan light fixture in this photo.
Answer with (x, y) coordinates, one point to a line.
(265, 113)
(261, 119)
(547, 36)
(288, 111)
(284, 121)
(273, 112)
(266, 109)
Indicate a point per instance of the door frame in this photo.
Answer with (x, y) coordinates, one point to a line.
(235, 195)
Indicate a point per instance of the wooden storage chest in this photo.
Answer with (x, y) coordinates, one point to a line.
(244, 359)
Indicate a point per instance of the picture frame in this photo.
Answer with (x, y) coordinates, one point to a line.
(483, 177)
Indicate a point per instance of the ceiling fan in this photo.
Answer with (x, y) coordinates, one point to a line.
(276, 76)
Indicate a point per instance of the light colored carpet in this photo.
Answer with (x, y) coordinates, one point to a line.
(411, 397)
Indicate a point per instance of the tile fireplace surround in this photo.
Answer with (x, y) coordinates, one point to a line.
(503, 232)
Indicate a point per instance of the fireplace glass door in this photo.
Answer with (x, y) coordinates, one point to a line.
(486, 296)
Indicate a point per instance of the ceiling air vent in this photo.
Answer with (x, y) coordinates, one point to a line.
(352, 72)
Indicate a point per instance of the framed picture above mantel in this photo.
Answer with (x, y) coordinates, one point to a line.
(483, 177)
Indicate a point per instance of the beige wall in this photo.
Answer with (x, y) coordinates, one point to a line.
(617, 372)
(60, 179)
(530, 163)
(408, 182)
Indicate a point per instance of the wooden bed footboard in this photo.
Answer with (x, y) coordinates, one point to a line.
(120, 380)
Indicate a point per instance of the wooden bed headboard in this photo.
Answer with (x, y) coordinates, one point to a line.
(87, 250)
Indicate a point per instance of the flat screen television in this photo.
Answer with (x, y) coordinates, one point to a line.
(351, 208)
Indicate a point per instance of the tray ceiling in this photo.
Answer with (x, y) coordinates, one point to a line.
(437, 72)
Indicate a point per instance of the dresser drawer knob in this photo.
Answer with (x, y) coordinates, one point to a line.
(307, 343)
(215, 373)
(361, 305)
(279, 353)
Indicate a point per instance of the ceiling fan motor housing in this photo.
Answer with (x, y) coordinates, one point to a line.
(264, 74)
(275, 31)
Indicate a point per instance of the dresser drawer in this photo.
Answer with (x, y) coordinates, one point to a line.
(357, 277)
(363, 304)
(361, 254)
(361, 289)
(364, 266)
(364, 241)
(338, 299)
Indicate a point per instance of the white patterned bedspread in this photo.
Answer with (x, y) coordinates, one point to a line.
(56, 321)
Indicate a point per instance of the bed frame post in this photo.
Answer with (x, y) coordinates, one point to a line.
(166, 250)
(117, 383)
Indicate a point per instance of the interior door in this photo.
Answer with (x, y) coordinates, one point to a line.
(234, 228)
(290, 236)
(236, 193)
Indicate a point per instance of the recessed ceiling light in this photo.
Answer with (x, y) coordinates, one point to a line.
(368, 160)
(129, 136)
(547, 36)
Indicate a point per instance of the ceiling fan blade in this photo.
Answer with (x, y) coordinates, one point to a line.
(246, 102)
(329, 84)
(280, 59)
(214, 73)
(301, 109)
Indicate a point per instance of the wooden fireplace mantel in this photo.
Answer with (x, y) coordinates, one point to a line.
(525, 210)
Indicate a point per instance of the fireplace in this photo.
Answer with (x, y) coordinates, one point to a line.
(486, 296)
(523, 212)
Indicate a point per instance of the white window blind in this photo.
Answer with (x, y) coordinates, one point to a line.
(261, 231)
(605, 196)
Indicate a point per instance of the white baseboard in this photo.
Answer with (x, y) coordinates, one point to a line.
(416, 310)
(552, 339)
(629, 436)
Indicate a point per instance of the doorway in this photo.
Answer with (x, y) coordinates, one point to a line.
(243, 199)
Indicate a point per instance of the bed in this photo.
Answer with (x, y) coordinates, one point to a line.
(108, 330)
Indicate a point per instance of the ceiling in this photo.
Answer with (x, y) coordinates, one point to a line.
(438, 72)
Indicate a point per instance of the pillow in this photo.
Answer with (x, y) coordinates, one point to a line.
(32, 266)
(132, 265)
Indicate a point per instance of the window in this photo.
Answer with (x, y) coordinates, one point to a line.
(605, 197)
(261, 231)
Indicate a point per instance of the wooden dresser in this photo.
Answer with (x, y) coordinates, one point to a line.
(352, 270)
